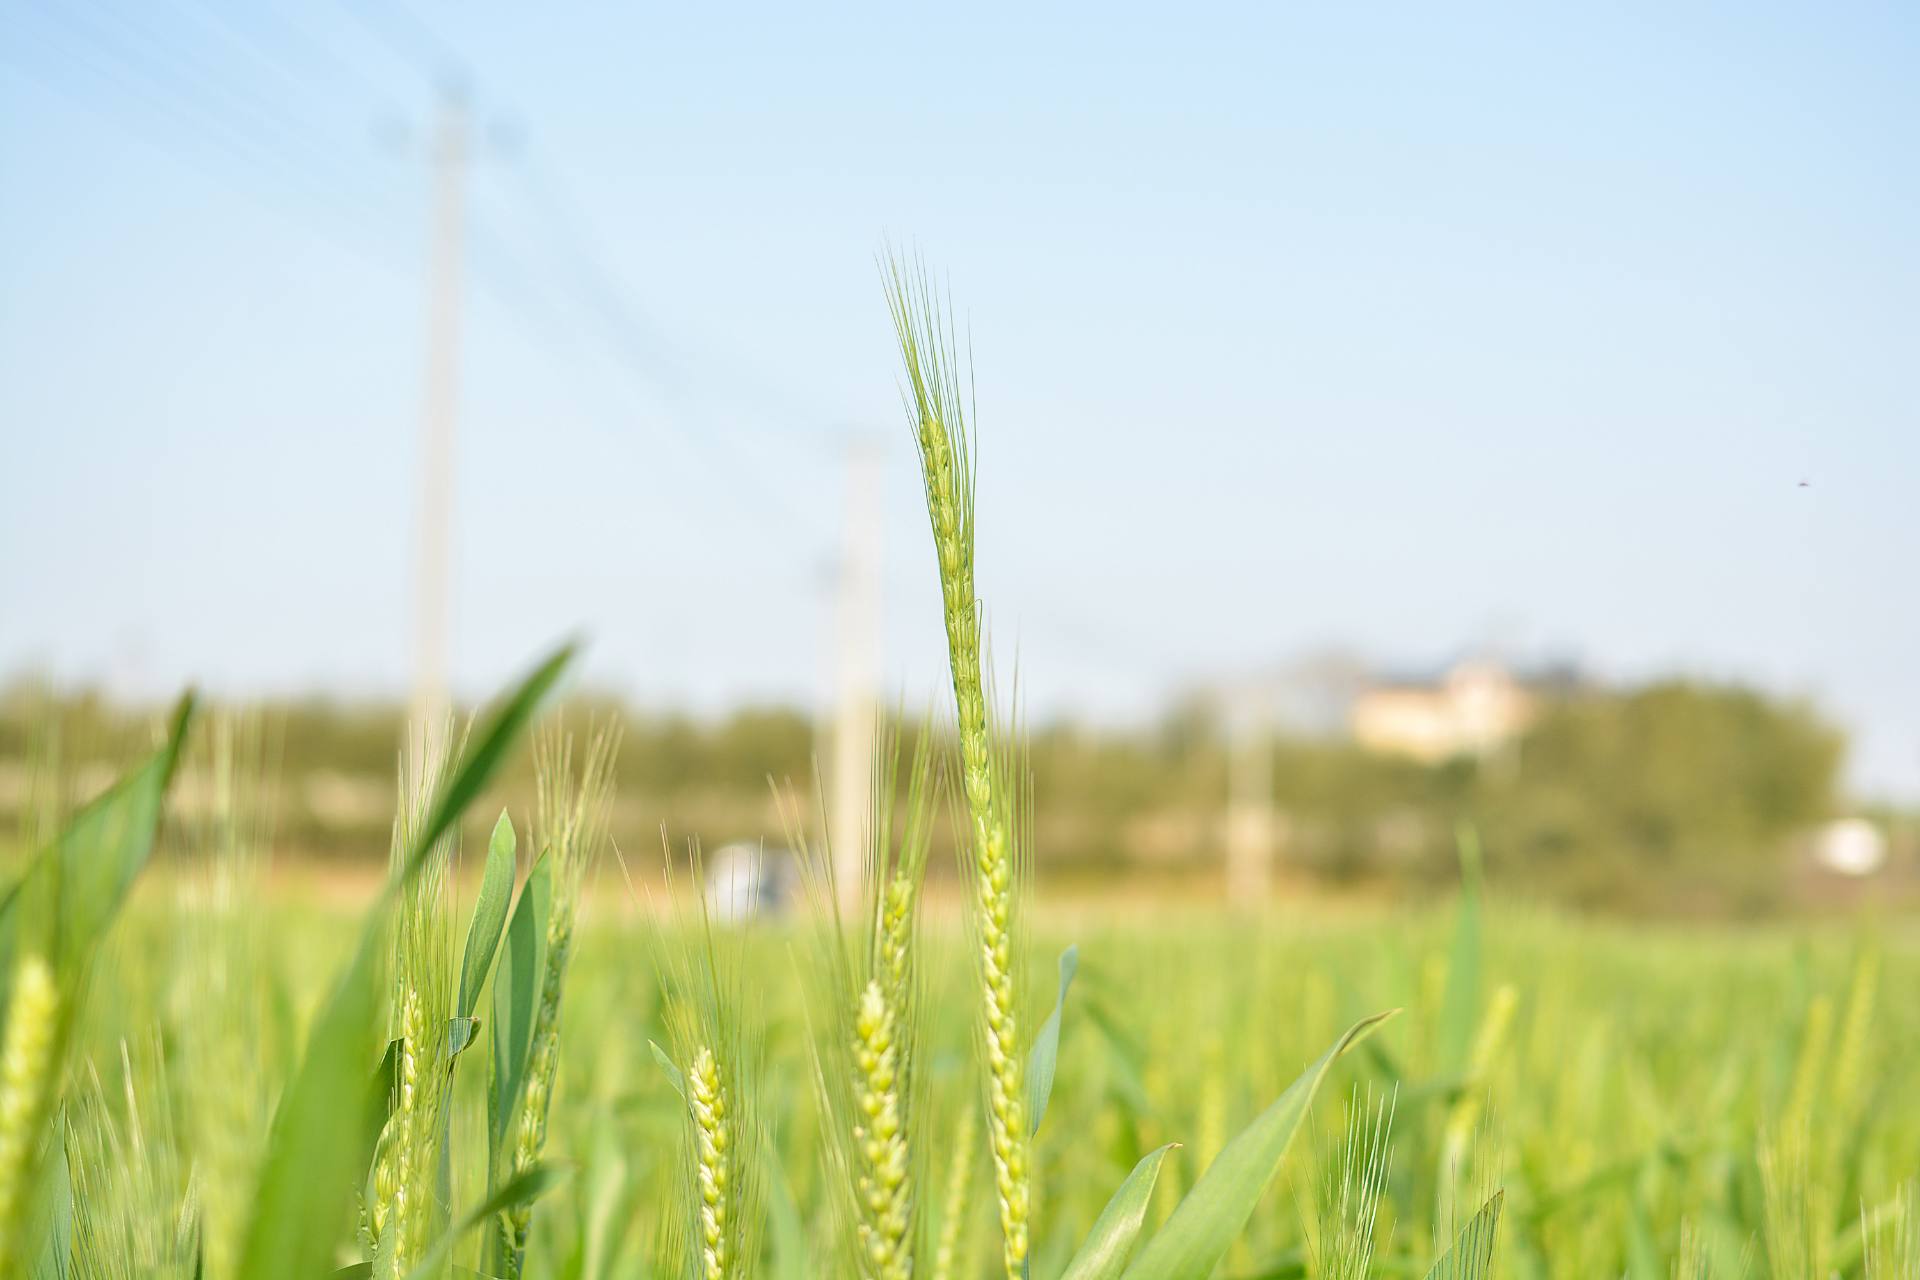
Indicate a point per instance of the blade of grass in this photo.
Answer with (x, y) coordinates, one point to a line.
(1046, 1045)
(92, 862)
(1460, 1004)
(516, 996)
(54, 1203)
(673, 1073)
(1207, 1221)
(523, 1188)
(489, 916)
(306, 1182)
(1109, 1245)
(489, 748)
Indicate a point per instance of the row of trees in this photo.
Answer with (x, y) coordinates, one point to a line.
(1675, 793)
(1671, 792)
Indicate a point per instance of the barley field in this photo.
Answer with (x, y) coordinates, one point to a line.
(1644, 1097)
(514, 1059)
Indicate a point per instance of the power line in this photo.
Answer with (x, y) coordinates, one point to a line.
(262, 137)
(633, 347)
(440, 411)
(412, 41)
(638, 351)
(243, 141)
(174, 81)
(187, 68)
(295, 52)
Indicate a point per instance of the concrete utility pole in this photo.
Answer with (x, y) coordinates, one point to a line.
(433, 532)
(850, 808)
(1250, 821)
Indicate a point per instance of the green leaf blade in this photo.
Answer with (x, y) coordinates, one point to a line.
(1214, 1213)
(1109, 1245)
(485, 753)
(489, 916)
(1046, 1045)
(523, 1188)
(317, 1148)
(516, 996)
(94, 860)
(306, 1184)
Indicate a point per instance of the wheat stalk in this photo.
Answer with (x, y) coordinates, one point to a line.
(715, 1054)
(225, 1081)
(1464, 1117)
(935, 408)
(26, 1079)
(1898, 1257)
(899, 910)
(866, 1075)
(134, 1211)
(415, 1122)
(707, 1101)
(401, 1220)
(953, 1220)
(883, 1182)
(573, 824)
(1794, 1208)
(1354, 1183)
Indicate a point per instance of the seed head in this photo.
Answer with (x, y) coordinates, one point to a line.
(707, 1099)
(26, 1072)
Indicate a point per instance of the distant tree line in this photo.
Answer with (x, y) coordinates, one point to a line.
(1674, 793)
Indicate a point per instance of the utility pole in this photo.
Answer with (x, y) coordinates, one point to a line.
(850, 814)
(1250, 819)
(433, 533)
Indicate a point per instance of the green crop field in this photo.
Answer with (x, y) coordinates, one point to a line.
(1635, 1092)
(507, 1062)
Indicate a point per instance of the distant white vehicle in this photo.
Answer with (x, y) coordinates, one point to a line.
(749, 882)
(1850, 847)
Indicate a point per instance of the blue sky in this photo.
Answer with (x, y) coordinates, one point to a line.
(1409, 328)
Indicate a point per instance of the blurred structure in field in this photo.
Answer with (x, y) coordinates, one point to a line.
(1473, 710)
(1252, 824)
(1867, 857)
(1850, 847)
(746, 882)
(851, 736)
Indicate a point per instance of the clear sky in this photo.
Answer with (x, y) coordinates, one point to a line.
(1411, 328)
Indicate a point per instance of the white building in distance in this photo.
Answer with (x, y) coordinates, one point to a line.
(1476, 708)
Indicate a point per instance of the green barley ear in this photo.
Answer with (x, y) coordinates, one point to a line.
(1892, 1251)
(226, 1090)
(320, 1137)
(1350, 1189)
(408, 1210)
(1795, 1209)
(1691, 1262)
(953, 1214)
(573, 809)
(133, 1208)
(1470, 1256)
(1465, 1116)
(886, 1037)
(896, 863)
(990, 774)
(26, 1092)
(710, 1103)
(713, 1067)
(52, 922)
(866, 1071)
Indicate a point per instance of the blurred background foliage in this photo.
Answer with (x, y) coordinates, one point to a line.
(1672, 797)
